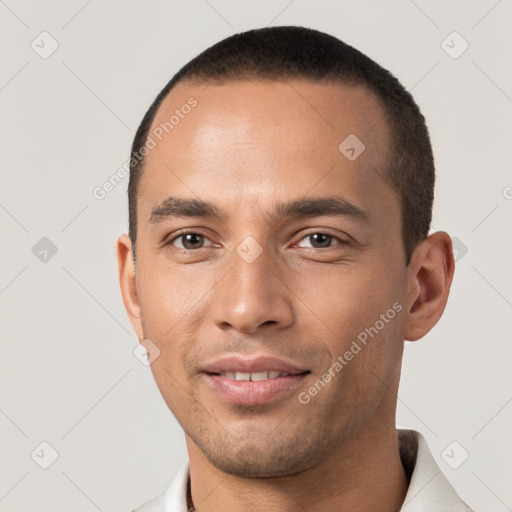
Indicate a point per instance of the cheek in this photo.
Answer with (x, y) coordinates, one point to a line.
(169, 296)
(172, 308)
(364, 315)
(347, 300)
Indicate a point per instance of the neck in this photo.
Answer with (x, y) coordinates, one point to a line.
(364, 474)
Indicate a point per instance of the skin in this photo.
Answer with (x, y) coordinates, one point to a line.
(246, 147)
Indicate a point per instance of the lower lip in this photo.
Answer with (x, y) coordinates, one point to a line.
(247, 392)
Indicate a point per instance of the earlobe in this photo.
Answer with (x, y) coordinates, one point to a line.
(127, 282)
(430, 277)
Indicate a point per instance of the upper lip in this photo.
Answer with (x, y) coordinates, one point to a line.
(237, 363)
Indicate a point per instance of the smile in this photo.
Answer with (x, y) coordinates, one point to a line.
(255, 376)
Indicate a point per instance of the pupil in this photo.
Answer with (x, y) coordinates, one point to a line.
(192, 239)
(320, 239)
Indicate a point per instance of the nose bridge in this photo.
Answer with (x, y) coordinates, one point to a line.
(252, 293)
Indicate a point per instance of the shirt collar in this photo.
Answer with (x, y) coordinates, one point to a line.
(428, 489)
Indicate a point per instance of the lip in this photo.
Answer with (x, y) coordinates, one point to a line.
(237, 363)
(243, 392)
(252, 393)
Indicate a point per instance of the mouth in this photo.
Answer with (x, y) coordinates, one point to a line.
(254, 376)
(255, 381)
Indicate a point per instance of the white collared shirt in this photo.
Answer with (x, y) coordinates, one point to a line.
(429, 490)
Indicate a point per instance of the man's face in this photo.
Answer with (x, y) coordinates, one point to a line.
(257, 281)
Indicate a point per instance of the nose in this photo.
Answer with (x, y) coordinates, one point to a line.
(253, 295)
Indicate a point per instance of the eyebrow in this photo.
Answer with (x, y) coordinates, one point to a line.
(307, 207)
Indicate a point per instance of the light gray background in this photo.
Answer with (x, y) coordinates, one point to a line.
(68, 375)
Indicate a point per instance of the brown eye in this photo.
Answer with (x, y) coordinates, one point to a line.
(318, 240)
(321, 240)
(189, 241)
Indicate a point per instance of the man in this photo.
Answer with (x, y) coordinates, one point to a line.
(278, 256)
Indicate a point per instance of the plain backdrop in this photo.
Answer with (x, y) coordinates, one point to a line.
(68, 373)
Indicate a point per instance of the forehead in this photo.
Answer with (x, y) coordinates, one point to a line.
(252, 107)
(247, 138)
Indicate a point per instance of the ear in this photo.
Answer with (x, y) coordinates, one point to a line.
(430, 277)
(127, 282)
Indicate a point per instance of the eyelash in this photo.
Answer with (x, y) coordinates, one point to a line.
(197, 232)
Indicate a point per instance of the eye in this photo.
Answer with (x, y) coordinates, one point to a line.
(319, 240)
(190, 241)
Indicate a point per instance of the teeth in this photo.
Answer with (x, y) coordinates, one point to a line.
(255, 376)
(259, 376)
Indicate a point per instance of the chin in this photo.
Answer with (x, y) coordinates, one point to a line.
(281, 457)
